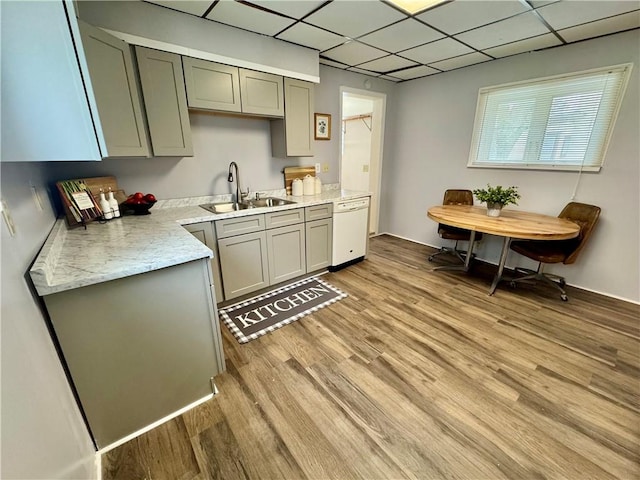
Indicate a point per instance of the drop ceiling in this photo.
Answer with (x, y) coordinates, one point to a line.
(376, 38)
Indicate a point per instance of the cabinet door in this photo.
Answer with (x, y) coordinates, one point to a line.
(293, 135)
(45, 116)
(211, 86)
(262, 93)
(287, 257)
(114, 87)
(319, 244)
(165, 102)
(205, 233)
(244, 265)
(284, 217)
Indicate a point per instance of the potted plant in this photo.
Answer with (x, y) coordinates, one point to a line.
(496, 198)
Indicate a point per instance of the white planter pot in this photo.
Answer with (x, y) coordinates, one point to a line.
(494, 209)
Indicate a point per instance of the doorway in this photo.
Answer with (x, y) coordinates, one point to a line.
(362, 130)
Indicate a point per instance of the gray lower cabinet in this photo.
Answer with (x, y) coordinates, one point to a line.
(286, 251)
(319, 239)
(139, 348)
(206, 234)
(244, 263)
(165, 102)
(257, 251)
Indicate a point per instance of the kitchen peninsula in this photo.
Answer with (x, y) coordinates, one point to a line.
(133, 306)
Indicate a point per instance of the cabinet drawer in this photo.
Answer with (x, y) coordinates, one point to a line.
(237, 226)
(317, 212)
(284, 218)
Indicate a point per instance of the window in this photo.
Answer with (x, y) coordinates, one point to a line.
(562, 122)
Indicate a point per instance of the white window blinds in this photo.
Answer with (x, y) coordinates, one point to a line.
(562, 122)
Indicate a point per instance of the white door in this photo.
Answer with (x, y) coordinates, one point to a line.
(361, 153)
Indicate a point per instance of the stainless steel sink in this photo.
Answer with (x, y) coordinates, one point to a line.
(226, 207)
(267, 202)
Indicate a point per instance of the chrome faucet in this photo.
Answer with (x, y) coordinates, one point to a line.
(239, 193)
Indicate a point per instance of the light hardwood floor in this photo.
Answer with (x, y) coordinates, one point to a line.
(417, 374)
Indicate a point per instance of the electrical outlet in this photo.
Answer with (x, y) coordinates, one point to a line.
(36, 196)
(325, 168)
(7, 218)
(365, 168)
(317, 168)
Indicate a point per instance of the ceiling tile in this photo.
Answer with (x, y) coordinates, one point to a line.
(461, 61)
(345, 17)
(402, 35)
(506, 31)
(535, 43)
(311, 37)
(386, 64)
(415, 73)
(242, 16)
(331, 63)
(390, 78)
(456, 17)
(293, 8)
(193, 7)
(618, 23)
(438, 50)
(353, 53)
(566, 14)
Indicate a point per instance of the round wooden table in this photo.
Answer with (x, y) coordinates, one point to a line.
(510, 224)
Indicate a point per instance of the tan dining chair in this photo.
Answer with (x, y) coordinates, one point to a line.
(557, 251)
(447, 232)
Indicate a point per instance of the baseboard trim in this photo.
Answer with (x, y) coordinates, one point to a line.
(155, 424)
(604, 294)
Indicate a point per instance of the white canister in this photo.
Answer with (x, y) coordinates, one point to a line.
(309, 185)
(318, 184)
(296, 187)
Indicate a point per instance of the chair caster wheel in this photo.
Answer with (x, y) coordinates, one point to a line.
(564, 298)
(430, 258)
(562, 283)
(512, 284)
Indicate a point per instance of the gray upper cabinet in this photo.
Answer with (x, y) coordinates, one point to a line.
(49, 105)
(165, 102)
(211, 86)
(261, 93)
(293, 135)
(114, 87)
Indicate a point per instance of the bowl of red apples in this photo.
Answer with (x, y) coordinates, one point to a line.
(139, 203)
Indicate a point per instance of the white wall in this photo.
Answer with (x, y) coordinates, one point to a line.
(43, 434)
(433, 124)
(226, 44)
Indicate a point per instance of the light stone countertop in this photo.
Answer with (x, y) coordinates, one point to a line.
(135, 244)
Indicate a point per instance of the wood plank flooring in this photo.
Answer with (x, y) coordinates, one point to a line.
(417, 375)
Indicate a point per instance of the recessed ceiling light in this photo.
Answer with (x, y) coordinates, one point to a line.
(415, 6)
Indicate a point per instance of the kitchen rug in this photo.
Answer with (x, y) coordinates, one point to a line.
(260, 315)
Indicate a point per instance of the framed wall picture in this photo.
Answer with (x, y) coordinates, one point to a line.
(323, 126)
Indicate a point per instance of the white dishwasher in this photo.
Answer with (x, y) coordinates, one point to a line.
(350, 225)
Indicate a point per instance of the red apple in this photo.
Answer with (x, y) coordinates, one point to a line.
(138, 195)
(150, 197)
